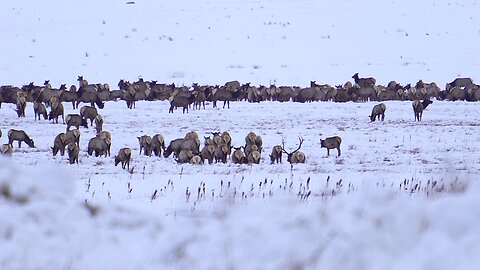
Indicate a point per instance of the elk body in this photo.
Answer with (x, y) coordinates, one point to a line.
(107, 137)
(21, 103)
(418, 108)
(377, 112)
(75, 120)
(20, 136)
(98, 123)
(124, 155)
(158, 144)
(73, 152)
(295, 156)
(72, 136)
(208, 153)
(177, 145)
(145, 143)
(39, 110)
(56, 110)
(331, 143)
(99, 146)
(88, 112)
(364, 82)
(238, 156)
(276, 155)
(59, 144)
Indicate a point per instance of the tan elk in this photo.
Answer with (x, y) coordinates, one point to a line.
(331, 143)
(124, 156)
(295, 156)
(276, 155)
(378, 111)
(418, 108)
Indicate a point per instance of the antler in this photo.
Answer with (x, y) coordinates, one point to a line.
(299, 146)
(283, 146)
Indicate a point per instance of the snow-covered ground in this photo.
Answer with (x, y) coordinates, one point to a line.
(403, 194)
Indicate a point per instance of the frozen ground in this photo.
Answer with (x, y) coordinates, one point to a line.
(403, 195)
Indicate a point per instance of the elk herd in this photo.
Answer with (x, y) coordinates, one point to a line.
(218, 147)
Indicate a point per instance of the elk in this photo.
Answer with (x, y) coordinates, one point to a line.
(145, 143)
(69, 96)
(158, 144)
(56, 110)
(237, 156)
(208, 153)
(331, 143)
(123, 157)
(181, 100)
(21, 103)
(98, 145)
(59, 144)
(98, 123)
(276, 155)
(39, 110)
(196, 160)
(418, 108)
(105, 135)
(73, 151)
(460, 82)
(221, 153)
(295, 156)
(75, 120)
(6, 149)
(72, 136)
(178, 145)
(377, 112)
(364, 82)
(88, 112)
(20, 136)
(254, 157)
(184, 156)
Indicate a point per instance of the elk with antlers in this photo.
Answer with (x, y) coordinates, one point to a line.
(295, 156)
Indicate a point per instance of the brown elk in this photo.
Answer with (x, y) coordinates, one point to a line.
(145, 143)
(124, 156)
(158, 144)
(364, 82)
(20, 136)
(237, 156)
(295, 156)
(331, 143)
(73, 151)
(39, 110)
(418, 108)
(377, 112)
(59, 144)
(56, 110)
(276, 155)
(75, 120)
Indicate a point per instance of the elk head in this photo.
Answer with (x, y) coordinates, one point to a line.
(290, 156)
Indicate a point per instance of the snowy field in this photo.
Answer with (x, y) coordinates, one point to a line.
(403, 194)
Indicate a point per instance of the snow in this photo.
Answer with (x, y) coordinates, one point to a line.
(403, 194)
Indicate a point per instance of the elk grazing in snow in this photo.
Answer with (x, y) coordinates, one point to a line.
(295, 156)
(378, 111)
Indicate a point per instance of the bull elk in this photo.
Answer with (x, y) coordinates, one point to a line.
(295, 156)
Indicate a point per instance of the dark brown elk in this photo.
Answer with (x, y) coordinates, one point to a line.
(9, 93)
(331, 143)
(88, 112)
(20, 136)
(73, 136)
(208, 153)
(377, 112)
(295, 156)
(224, 94)
(69, 96)
(73, 152)
(237, 156)
(305, 95)
(221, 153)
(418, 108)
(56, 110)
(254, 157)
(199, 95)
(98, 123)
(99, 146)
(105, 135)
(179, 99)
(460, 82)
(276, 155)
(59, 144)
(175, 147)
(124, 155)
(75, 120)
(39, 110)
(88, 93)
(457, 93)
(145, 143)
(21, 103)
(158, 144)
(364, 82)
(184, 156)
